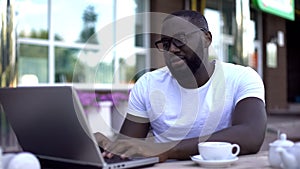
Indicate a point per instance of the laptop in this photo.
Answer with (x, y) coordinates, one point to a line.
(49, 121)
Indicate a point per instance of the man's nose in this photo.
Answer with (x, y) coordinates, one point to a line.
(173, 48)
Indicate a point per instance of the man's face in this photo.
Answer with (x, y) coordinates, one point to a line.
(183, 46)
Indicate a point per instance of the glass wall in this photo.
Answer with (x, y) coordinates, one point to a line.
(234, 30)
(80, 41)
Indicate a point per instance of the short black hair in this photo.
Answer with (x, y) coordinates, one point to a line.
(193, 17)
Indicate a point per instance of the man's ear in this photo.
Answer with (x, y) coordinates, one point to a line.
(208, 39)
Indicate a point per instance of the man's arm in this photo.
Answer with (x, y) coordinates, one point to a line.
(247, 130)
(249, 121)
(135, 127)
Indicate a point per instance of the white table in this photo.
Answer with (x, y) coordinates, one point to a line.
(255, 161)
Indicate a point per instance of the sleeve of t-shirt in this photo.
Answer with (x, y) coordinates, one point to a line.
(250, 85)
(138, 97)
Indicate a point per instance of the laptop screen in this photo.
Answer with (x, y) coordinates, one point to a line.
(45, 124)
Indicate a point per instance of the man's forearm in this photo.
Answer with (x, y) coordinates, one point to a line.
(235, 134)
(184, 149)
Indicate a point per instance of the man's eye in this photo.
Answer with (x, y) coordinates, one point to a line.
(166, 44)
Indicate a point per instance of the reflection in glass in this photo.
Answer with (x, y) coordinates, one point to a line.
(66, 57)
(32, 18)
(65, 60)
(89, 22)
(134, 72)
(81, 66)
(81, 20)
(91, 67)
(140, 24)
(33, 63)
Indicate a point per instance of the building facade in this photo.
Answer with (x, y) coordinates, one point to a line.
(253, 37)
(60, 42)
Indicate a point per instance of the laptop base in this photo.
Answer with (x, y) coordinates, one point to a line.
(52, 164)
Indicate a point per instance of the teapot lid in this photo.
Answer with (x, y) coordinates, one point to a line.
(282, 141)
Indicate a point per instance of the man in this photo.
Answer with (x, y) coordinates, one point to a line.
(191, 100)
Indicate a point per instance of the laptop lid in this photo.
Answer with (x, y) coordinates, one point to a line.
(49, 121)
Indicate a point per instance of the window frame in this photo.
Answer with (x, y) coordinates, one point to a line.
(51, 43)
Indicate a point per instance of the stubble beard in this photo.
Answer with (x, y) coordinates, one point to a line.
(186, 76)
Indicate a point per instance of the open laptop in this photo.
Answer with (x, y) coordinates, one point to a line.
(49, 122)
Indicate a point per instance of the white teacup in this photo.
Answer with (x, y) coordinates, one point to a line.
(218, 150)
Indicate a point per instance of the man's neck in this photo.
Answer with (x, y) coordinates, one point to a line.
(199, 78)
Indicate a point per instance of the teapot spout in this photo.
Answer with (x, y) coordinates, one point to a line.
(288, 160)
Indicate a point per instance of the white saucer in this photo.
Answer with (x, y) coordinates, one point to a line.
(213, 163)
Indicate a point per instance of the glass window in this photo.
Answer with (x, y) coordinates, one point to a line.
(93, 66)
(65, 61)
(78, 20)
(33, 64)
(89, 41)
(233, 31)
(32, 19)
(140, 25)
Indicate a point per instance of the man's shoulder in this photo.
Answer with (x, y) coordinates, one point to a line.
(235, 73)
(232, 67)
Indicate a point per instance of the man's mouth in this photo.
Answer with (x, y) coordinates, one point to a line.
(177, 61)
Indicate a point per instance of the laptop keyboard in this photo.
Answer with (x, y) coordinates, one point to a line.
(116, 159)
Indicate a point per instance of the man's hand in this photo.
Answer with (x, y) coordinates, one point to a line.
(131, 147)
(102, 140)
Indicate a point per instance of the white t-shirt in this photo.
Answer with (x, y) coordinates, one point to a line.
(177, 113)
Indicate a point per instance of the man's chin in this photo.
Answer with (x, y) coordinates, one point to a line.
(182, 72)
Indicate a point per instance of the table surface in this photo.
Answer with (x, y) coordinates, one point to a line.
(259, 160)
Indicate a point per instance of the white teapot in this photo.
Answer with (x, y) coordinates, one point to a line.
(22, 160)
(281, 142)
(290, 157)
